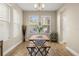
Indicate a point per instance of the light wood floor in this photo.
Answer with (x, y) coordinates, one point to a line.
(56, 50)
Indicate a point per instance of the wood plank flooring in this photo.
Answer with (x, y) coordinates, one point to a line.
(56, 50)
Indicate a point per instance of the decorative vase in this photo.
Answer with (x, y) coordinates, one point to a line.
(23, 31)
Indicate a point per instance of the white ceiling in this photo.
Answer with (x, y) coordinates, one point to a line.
(48, 6)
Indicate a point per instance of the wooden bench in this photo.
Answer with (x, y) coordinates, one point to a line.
(34, 50)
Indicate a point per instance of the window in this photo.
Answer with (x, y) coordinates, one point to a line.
(4, 21)
(4, 12)
(35, 22)
(45, 21)
(16, 23)
(16, 17)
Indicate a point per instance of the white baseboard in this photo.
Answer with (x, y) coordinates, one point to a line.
(61, 42)
(72, 51)
(11, 48)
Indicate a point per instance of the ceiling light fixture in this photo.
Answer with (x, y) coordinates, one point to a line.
(39, 6)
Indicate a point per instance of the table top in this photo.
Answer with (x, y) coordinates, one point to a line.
(33, 45)
(40, 37)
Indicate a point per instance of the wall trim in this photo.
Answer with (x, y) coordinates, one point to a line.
(4, 53)
(72, 51)
(69, 49)
(61, 42)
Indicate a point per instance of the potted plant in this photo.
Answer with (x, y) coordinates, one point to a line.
(40, 29)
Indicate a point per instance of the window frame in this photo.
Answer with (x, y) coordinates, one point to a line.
(40, 21)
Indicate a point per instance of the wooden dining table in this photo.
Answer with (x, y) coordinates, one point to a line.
(39, 37)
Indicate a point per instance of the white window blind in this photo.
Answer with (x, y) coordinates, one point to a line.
(4, 12)
(4, 30)
(16, 18)
(16, 22)
(4, 21)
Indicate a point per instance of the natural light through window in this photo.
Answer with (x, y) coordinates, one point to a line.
(39, 23)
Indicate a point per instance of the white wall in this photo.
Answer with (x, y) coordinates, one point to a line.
(69, 28)
(12, 41)
(43, 13)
